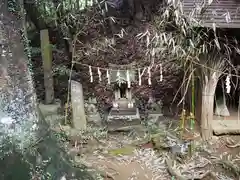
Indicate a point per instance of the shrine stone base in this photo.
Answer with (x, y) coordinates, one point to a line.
(128, 114)
(51, 113)
(50, 109)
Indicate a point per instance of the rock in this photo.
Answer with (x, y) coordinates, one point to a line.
(54, 119)
(50, 109)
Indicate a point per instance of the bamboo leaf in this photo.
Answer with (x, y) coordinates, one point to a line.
(148, 41)
(228, 17)
(139, 35)
(113, 20)
(191, 43)
(237, 50)
(217, 43)
(164, 37)
(214, 27)
(210, 2)
(183, 30)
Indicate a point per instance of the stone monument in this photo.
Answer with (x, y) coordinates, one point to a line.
(155, 109)
(92, 111)
(78, 111)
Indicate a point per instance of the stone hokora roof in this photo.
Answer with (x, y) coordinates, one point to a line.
(122, 71)
(224, 13)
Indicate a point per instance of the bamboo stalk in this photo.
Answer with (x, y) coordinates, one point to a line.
(183, 114)
(182, 121)
(193, 103)
(238, 109)
(192, 115)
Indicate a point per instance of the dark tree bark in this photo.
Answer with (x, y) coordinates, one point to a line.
(39, 22)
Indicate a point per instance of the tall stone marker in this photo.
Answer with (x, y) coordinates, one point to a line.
(78, 111)
(47, 66)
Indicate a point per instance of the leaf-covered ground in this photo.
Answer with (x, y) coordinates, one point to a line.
(146, 153)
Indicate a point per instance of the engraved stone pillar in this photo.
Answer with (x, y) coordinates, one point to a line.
(78, 111)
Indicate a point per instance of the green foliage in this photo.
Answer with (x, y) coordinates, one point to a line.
(13, 6)
(61, 70)
(26, 42)
(35, 51)
(49, 10)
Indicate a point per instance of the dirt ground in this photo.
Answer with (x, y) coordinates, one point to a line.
(122, 156)
(132, 167)
(125, 164)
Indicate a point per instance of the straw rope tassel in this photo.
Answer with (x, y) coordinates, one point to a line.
(140, 76)
(90, 73)
(128, 79)
(161, 75)
(99, 75)
(149, 76)
(228, 86)
(108, 76)
(118, 77)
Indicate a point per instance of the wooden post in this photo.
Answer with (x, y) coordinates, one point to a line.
(78, 111)
(47, 66)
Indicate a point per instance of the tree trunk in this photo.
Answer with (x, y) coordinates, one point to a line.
(198, 109)
(208, 91)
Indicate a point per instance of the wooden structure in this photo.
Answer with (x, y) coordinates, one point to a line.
(224, 13)
(123, 104)
(221, 14)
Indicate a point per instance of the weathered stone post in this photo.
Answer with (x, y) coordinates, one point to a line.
(47, 66)
(78, 111)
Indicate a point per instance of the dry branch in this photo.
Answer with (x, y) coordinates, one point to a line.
(228, 165)
(174, 172)
(196, 175)
(233, 146)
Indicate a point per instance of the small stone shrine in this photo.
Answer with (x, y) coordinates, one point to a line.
(91, 111)
(155, 108)
(123, 103)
